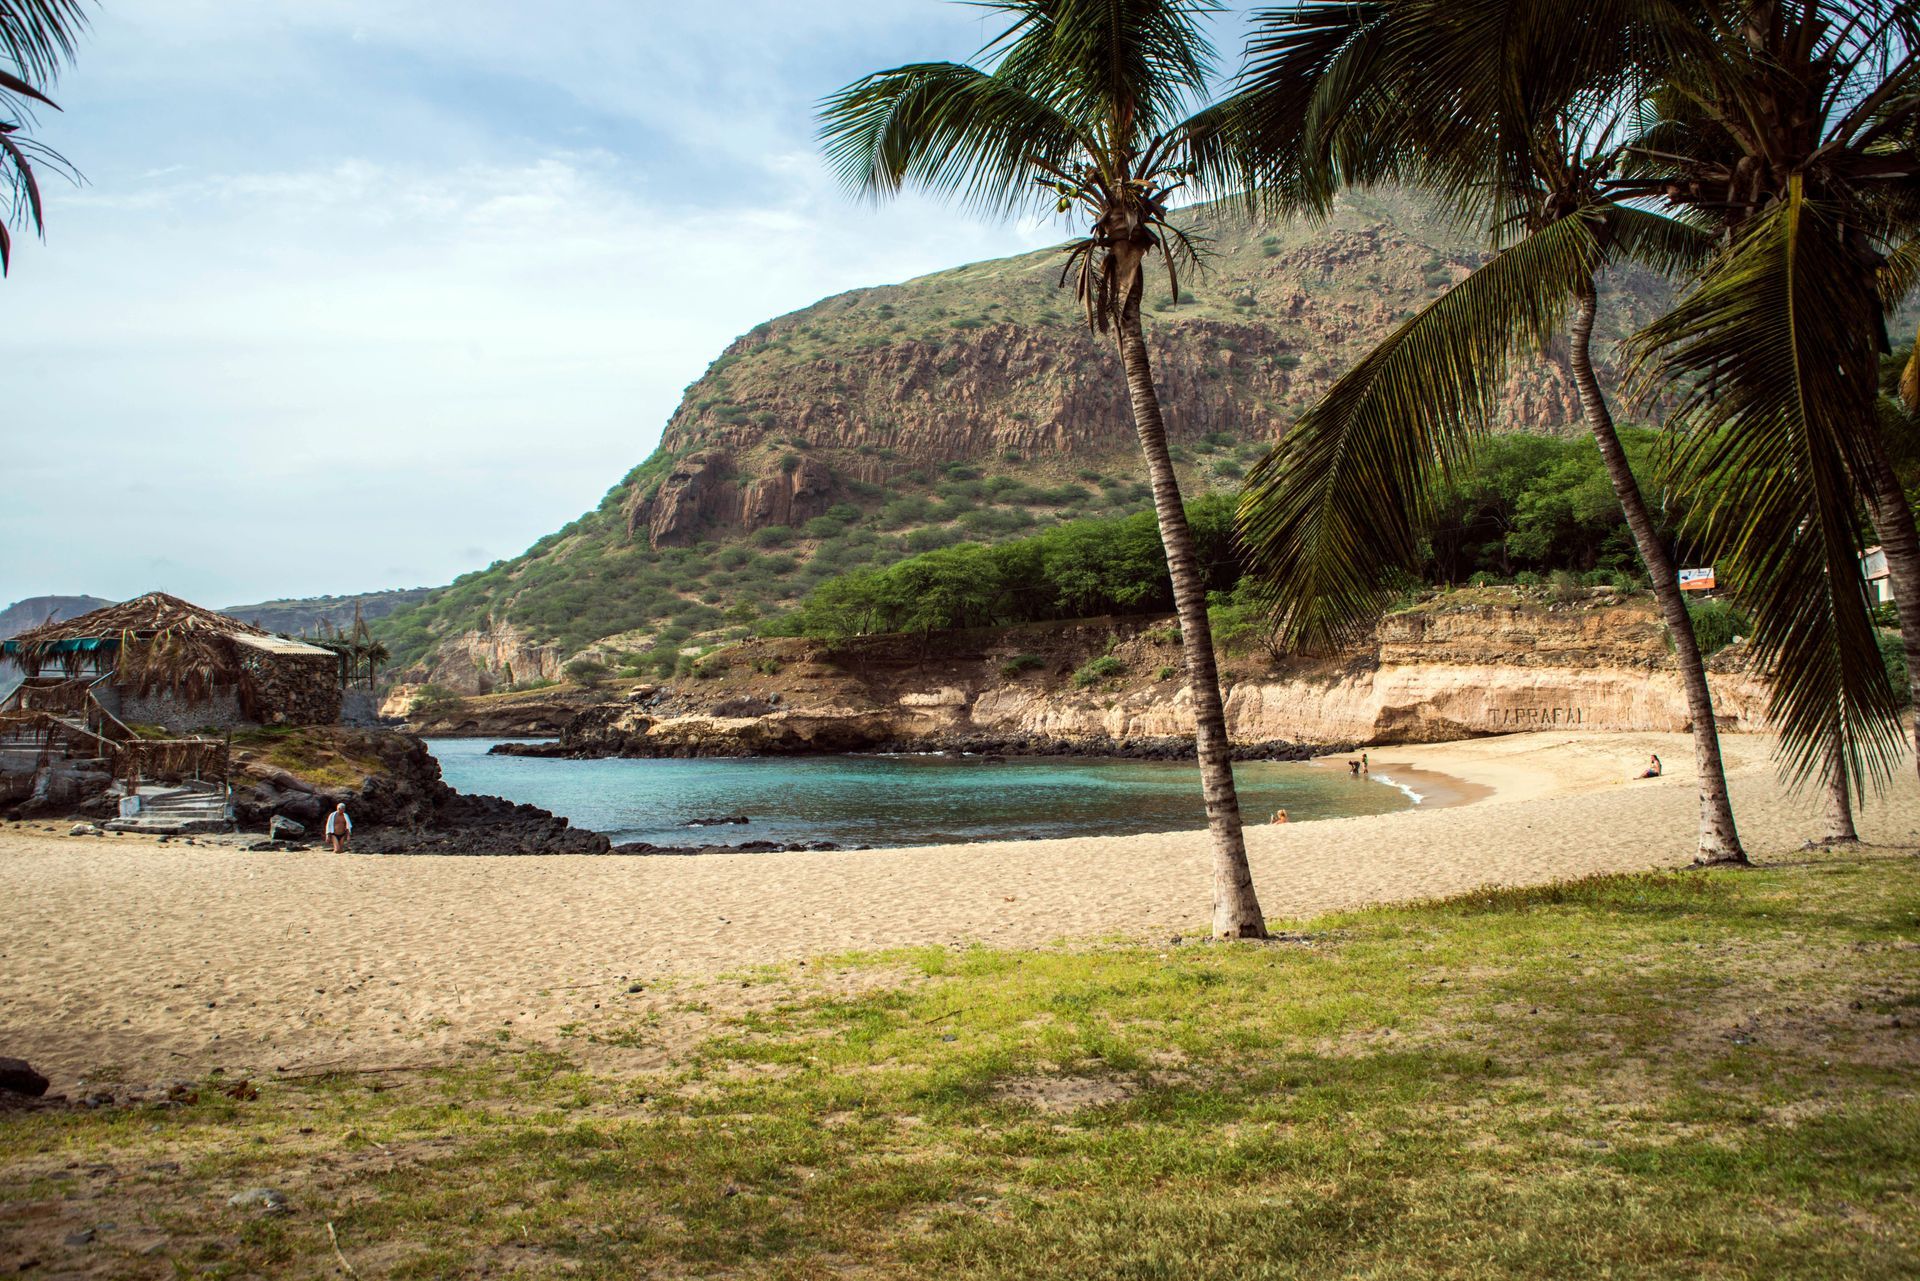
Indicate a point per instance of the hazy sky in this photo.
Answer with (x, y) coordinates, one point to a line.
(367, 293)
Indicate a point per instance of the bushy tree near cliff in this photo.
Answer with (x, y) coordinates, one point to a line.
(36, 38)
(1087, 107)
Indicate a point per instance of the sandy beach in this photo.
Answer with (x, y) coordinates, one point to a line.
(121, 957)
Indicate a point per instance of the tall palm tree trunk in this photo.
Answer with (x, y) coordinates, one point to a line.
(1893, 522)
(1719, 838)
(1840, 830)
(1236, 909)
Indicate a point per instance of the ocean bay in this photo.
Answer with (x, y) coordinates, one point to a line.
(903, 800)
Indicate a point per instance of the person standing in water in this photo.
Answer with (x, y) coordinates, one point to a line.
(1364, 767)
(339, 829)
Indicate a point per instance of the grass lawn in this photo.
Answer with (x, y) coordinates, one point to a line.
(1702, 1074)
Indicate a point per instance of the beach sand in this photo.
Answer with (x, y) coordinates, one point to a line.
(121, 958)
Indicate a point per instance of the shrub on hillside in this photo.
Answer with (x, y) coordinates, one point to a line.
(1717, 623)
(588, 673)
(1020, 664)
(433, 698)
(1100, 669)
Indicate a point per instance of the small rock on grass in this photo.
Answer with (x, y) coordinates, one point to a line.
(267, 1200)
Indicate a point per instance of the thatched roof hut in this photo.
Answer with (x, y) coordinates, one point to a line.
(153, 641)
(159, 646)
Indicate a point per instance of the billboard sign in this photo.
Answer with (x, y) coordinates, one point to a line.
(1696, 580)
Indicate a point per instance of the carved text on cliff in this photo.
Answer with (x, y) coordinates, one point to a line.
(1535, 717)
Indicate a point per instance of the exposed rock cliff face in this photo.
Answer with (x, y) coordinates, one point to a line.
(1433, 675)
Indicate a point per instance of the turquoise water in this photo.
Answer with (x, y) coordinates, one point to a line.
(895, 800)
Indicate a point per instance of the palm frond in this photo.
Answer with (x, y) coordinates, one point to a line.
(953, 129)
(1334, 511)
(1773, 360)
(1900, 273)
(1138, 64)
(1670, 246)
(37, 36)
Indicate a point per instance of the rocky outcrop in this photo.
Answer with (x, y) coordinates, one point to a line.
(706, 489)
(477, 662)
(391, 786)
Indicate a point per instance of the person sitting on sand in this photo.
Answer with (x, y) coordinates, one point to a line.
(1653, 770)
(339, 829)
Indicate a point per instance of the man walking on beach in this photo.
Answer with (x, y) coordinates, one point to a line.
(339, 829)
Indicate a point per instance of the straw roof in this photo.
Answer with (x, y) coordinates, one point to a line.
(143, 618)
(164, 642)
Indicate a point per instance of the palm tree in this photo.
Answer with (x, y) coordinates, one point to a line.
(1791, 129)
(1506, 110)
(36, 39)
(1095, 106)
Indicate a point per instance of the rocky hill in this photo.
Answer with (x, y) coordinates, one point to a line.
(308, 615)
(969, 404)
(35, 610)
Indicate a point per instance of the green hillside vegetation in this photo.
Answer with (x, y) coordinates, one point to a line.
(1536, 511)
(899, 386)
(590, 580)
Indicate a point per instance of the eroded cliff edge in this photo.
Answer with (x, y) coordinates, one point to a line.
(1455, 666)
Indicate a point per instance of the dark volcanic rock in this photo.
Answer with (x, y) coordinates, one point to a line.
(486, 825)
(16, 1077)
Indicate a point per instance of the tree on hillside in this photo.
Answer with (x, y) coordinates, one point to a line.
(1792, 129)
(1094, 107)
(1507, 110)
(36, 39)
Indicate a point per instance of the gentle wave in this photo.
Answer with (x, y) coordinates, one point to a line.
(1412, 795)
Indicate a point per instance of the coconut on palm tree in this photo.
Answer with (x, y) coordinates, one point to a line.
(1092, 108)
(1508, 112)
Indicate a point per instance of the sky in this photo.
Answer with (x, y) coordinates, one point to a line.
(360, 294)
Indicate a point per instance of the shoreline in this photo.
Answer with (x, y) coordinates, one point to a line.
(130, 956)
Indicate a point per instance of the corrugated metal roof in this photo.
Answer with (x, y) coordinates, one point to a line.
(281, 645)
